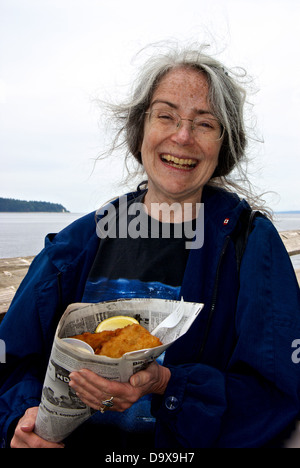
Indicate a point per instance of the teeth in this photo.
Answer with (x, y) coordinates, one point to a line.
(180, 161)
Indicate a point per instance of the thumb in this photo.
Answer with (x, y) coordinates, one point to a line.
(27, 426)
(139, 379)
(27, 423)
(135, 380)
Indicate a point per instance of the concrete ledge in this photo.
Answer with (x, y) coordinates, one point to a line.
(12, 272)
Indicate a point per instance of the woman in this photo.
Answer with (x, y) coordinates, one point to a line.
(230, 381)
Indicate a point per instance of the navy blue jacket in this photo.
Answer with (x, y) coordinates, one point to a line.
(233, 381)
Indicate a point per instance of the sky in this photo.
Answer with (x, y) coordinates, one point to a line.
(58, 58)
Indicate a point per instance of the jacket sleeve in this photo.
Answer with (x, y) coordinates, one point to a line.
(255, 400)
(27, 344)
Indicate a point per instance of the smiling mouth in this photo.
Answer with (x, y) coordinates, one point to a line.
(179, 163)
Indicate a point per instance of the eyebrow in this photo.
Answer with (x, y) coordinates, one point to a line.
(174, 106)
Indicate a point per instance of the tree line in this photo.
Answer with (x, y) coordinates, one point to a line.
(13, 205)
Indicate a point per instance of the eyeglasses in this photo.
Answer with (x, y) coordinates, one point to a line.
(204, 127)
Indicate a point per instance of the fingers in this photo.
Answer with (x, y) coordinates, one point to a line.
(92, 390)
(24, 437)
(88, 394)
(89, 387)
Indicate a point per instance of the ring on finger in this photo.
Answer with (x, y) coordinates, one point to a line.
(106, 404)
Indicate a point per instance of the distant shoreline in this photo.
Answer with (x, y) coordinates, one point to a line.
(12, 205)
(37, 211)
(40, 212)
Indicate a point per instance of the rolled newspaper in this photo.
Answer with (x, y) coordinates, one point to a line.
(61, 411)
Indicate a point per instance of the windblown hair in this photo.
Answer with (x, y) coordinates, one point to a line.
(226, 98)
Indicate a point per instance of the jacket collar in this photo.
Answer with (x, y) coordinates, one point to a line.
(222, 211)
(66, 248)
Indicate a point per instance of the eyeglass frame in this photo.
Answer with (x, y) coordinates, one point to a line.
(179, 123)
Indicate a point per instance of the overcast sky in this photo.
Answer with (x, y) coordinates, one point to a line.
(56, 56)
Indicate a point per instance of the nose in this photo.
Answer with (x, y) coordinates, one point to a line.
(184, 134)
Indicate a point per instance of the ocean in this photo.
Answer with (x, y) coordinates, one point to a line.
(22, 234)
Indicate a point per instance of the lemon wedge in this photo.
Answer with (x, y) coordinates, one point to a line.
(112, 323)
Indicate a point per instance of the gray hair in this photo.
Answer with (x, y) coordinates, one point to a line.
(226, 98)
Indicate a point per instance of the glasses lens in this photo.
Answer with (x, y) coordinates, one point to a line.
(164, 118)
(208, 128)
(203, 126)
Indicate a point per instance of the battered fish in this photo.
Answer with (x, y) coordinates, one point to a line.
(96, 340)
(118, 342)
(130, 338)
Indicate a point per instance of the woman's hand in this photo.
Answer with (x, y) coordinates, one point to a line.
(24, 437)
(92, 389)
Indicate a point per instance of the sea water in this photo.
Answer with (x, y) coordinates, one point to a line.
(23, 234)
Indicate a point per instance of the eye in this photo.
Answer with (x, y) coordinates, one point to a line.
(162, 115)
(206, 124)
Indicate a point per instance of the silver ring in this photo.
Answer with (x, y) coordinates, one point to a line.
(106, 405)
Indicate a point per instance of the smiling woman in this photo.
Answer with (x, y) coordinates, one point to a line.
(231, 375)
(223, 100)
(170, 142)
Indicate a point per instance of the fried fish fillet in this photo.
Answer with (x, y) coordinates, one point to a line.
(130, 338)
(118, 342)
(96, 340)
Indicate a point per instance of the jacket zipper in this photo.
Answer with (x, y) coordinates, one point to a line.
(214, 295)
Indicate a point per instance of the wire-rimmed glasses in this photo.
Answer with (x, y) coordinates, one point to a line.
(204, 126)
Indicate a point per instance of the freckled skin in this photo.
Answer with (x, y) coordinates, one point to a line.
(188, 91)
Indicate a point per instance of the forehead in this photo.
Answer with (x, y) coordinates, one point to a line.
(183, 86)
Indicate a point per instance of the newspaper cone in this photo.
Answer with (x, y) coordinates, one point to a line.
(61, 411)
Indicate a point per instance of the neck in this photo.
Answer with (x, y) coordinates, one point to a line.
(172, 209)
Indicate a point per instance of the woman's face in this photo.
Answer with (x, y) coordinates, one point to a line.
(179, 162)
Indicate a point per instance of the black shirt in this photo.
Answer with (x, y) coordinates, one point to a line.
(149, 262)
